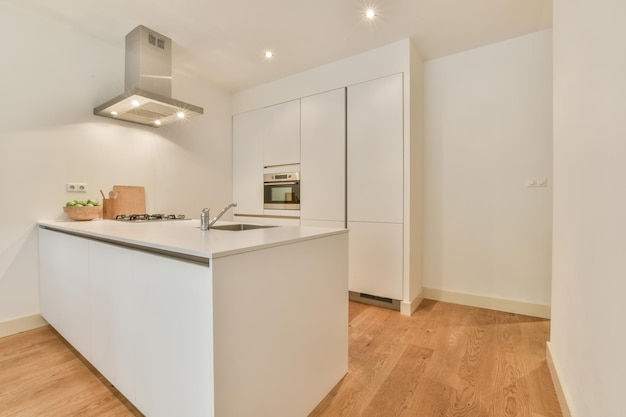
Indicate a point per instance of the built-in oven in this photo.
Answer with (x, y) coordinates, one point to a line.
(282, 191)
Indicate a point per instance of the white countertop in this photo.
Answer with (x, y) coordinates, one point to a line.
(185, 236)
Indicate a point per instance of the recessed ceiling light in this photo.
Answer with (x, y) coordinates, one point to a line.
(370, 13)
(135, 103)
(157, 122)
(181, 115)
(269, 54)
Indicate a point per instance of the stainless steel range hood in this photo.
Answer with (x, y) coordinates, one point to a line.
(148, 84)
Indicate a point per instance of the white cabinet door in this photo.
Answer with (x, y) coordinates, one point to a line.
(323, 157)
(64, 286)
(375, 143)
(114, 300)
(282, 134)
(375, 258)
(144, 320)
(174, 336)
(375, 150)
(248, 130)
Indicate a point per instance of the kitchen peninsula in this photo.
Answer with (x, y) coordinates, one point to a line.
(202, 323)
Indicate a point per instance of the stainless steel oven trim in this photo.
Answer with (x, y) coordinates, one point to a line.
(279, 206)
(292, 177)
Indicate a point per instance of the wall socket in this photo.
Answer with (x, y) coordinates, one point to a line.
(537, 182)
(76, 187)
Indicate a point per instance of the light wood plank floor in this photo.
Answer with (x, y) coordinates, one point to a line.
(445, 360)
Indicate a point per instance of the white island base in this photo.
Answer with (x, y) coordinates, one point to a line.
(257, 333)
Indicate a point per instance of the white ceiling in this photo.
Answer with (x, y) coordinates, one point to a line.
(226, 39)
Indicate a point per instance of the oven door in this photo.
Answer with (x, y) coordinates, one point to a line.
(282, 195)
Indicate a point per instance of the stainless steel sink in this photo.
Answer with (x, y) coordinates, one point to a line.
(239, 227)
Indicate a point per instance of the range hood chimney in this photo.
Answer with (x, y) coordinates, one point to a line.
(148, 84)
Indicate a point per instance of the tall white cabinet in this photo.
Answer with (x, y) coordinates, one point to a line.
(281, 143)
(323, 159)
(375, 185)
(248, 133)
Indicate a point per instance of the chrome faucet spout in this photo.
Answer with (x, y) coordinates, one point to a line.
(204, 216)
(204, 219)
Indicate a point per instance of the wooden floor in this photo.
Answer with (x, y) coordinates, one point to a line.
(445, 360)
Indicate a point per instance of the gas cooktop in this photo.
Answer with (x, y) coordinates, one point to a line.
(143, 218)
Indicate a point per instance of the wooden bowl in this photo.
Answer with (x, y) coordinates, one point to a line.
(83, 213)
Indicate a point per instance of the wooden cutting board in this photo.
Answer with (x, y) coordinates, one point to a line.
(131, 199)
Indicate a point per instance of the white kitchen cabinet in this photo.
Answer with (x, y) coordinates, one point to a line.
(375, 150)
(323, 157)
(64, 286)
(323, 223)
(143, 320)
(113, 296)
(282, 134)
(248, 131)
(375, 259)
(375, 178)
(173, 337)
(177, 337)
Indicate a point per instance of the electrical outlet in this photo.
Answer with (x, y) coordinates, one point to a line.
(76, 187)
(537, 183)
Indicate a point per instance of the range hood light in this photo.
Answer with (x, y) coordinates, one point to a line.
(151, 107)
(148, 84)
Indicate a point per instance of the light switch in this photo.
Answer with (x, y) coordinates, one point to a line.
(536, 183)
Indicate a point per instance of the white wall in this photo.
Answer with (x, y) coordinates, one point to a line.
(376, 63)
(589, 249)
(53, 76)
(488, 123)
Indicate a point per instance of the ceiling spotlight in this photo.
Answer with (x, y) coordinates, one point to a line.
(181, 115)
(157, 122)
(135, 103)
(370, 13)
(269, 54)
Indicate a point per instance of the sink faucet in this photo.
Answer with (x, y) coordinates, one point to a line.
(205, 224)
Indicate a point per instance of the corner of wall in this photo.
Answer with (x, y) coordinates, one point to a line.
(556, 381)
(21, 324)
(407, 308)
(414, 178)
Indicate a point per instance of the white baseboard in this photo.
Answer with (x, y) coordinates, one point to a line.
(556, 381)
(408, 308)
(21, 324)
(500, 304)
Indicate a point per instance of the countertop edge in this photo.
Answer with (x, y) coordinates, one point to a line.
(83, 229)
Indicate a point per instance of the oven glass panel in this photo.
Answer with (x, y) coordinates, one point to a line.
(282, 196)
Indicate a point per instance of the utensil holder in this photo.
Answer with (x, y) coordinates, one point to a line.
(109, 208)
